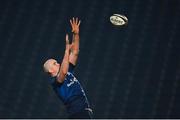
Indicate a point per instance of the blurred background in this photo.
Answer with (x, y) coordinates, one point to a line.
(129, 72)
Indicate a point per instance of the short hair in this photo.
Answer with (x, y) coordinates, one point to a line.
(46, 65)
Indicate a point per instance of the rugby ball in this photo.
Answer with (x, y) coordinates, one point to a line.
(118, 20)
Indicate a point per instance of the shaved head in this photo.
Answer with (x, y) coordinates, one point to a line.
(51, 66)
(48, 64)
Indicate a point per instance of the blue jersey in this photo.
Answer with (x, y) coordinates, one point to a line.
(71, 92)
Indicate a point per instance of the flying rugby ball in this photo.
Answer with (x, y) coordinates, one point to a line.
(118, 20)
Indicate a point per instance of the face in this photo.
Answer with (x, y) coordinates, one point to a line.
(52, 67)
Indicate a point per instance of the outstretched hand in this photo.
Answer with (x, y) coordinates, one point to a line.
(75, 25)
(69, 46)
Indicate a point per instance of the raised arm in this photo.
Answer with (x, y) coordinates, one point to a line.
(65, 63)
(75, 23)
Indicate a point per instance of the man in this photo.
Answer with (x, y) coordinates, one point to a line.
(67, 87)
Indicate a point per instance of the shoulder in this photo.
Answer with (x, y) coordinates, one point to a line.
(53, 81)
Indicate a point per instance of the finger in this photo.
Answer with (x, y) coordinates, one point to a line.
(67, 37)
(72, 25)
(73, 20)
(76, 21)
(79, 22)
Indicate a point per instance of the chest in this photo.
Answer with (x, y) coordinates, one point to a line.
(70, 79)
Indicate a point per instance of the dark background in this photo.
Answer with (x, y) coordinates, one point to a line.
(130, 72)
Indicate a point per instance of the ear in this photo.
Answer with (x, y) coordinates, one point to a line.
(50, 71)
